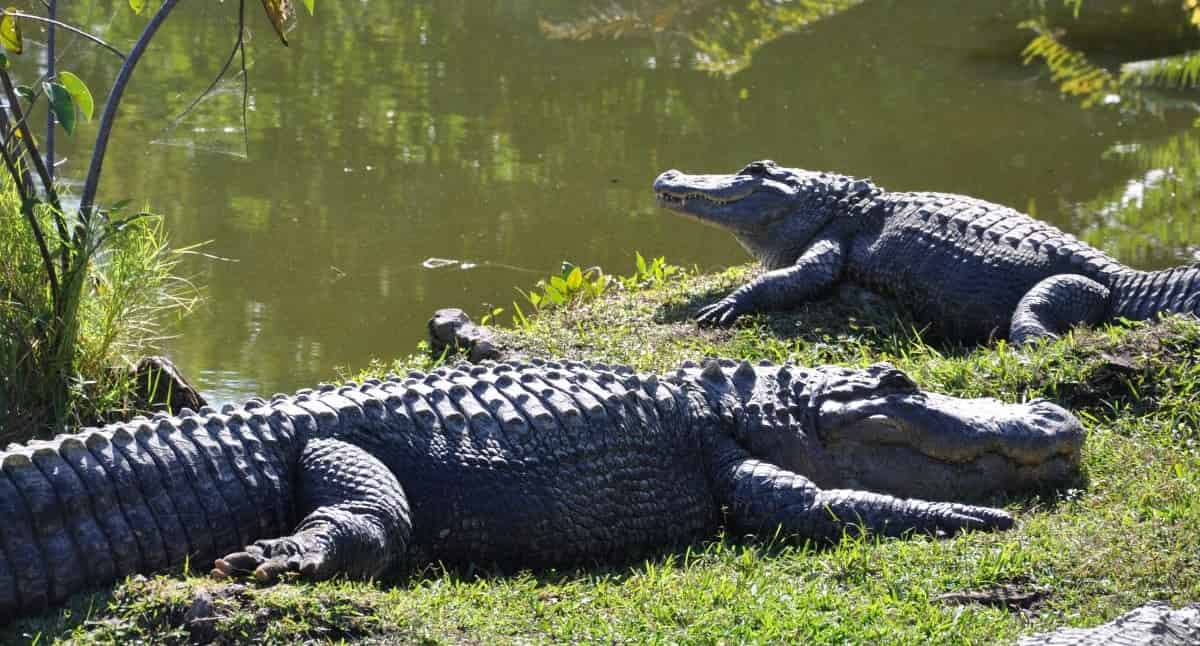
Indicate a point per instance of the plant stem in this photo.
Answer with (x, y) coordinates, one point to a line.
(74, 30)
(27, 210)
(15, 105)
(52, 10)
(91, 184)
(20, 173)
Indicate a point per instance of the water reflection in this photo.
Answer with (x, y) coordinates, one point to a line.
(714, 36)
(1151, 219)
(394, 132)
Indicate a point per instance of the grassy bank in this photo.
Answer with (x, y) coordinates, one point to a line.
(1128, 533)
(66, 364)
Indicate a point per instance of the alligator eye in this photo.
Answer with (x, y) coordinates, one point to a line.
(757, 168)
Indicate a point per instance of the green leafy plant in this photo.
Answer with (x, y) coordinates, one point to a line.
(491, 315)
(650, 274)
(572, 285)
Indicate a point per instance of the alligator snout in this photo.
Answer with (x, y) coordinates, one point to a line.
(660, 182)
(920, 444)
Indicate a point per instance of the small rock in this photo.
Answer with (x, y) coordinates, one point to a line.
(159, 384)
(201, 618)
(452, 329)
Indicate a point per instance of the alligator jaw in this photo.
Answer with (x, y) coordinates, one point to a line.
(706, 197)
(925, 444)
(679, 201)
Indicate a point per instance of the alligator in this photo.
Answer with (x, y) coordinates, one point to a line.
(514, 465)
(1154, 624)
(970, 269)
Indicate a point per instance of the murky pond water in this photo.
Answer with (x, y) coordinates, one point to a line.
(497, 135)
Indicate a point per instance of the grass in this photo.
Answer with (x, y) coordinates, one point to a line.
(72, 370)
(1127, 534)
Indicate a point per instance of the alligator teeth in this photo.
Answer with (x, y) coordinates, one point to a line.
(696, 195)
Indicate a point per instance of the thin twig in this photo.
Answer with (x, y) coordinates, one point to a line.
(60, 222)
(92, 183)
(52, 11)
(245, 75)
(74, 30)
(27, 138)
(239, 45)
(38, 236)
(23, 177)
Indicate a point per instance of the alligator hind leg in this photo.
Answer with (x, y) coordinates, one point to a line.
(1055, 304)
(357, 523)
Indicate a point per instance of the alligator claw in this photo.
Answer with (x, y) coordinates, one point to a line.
(960, 518)
(722, 313)
(269, 560)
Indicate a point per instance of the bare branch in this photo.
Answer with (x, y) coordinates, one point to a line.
(238, 45)
(74, 30)
(27, 138)
(51, 45)
(34, 226)
(92, 183)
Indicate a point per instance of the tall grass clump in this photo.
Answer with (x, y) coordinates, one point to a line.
(123, 293)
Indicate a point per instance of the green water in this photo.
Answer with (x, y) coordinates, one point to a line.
(490, 133)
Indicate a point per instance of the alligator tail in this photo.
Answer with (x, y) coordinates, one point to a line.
(1140, 295)
(86, 509)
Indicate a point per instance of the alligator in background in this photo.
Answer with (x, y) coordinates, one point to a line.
(972, 269)
(1154, 624)
(519, 465)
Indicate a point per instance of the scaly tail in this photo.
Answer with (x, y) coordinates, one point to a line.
(86, 509)
(1140, 295)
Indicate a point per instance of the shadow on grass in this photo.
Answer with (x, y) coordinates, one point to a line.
(849, 314)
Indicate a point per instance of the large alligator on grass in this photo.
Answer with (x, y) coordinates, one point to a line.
(515, 465)
(971, 269)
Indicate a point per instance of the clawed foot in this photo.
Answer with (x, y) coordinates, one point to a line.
(268, 560)
(722, 313)
(960, 518)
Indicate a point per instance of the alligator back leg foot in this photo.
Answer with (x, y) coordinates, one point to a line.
(357, 523)
(1055, 304)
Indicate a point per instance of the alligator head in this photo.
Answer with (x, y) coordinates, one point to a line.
(772, 211)
(875, 429)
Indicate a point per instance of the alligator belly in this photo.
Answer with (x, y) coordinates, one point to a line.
(522, 519)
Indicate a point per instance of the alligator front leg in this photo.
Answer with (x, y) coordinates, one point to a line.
(762, 498)
(1055, 304)
(814, 272)
(357, 523)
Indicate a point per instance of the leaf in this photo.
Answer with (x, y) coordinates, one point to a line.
(25, 92)
(62, 104)
(555, 295)
(575, 279)
(280, 12)
(641, 263)
(558, 284)
(310, 5)
(10, 32)
(3, 61)
(80, 92)
(137, 6)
